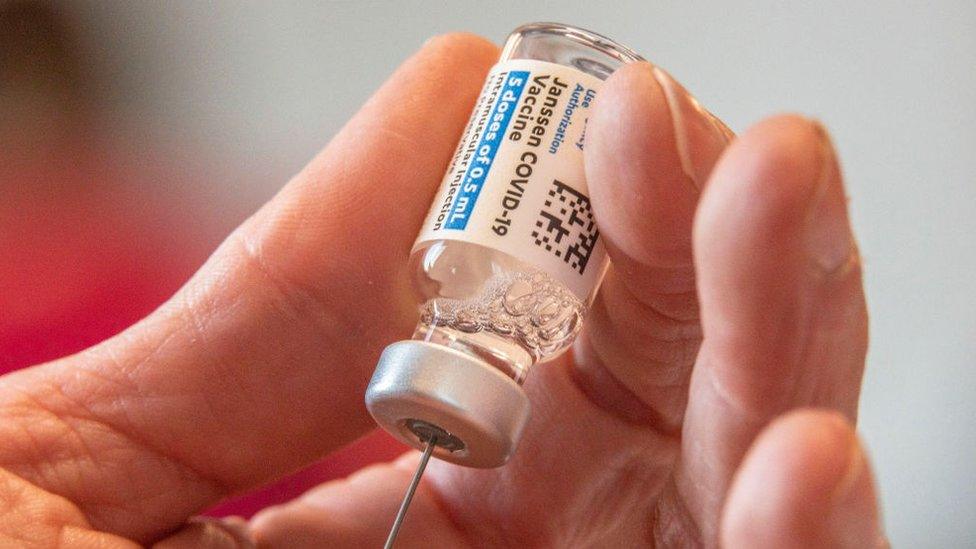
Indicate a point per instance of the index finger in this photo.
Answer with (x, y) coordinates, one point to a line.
(258, 365)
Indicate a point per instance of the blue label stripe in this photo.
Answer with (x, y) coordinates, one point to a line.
(484, 156)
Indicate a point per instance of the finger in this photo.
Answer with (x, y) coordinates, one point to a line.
(650, 147)
(782, 306)
(259, 364)
(358, 512)
(616, 467)
(32, 517)
(805, 482)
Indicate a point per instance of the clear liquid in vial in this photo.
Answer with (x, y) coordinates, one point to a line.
(490, 305)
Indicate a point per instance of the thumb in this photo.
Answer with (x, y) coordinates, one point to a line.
(806, 482)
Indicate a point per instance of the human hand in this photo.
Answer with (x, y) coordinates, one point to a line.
(710, 398)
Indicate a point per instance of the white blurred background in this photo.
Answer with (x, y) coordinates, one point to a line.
(242, 95)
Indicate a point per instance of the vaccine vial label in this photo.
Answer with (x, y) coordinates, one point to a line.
(516, 183)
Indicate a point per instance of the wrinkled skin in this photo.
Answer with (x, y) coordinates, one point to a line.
(710, 400)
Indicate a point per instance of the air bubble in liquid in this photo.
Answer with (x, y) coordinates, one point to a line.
(527, 307)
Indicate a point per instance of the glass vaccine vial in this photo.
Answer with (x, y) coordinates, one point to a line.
(509, 257)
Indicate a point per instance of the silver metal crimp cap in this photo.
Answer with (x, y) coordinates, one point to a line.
(420, 387)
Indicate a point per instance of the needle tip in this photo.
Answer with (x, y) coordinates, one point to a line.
(428, 450)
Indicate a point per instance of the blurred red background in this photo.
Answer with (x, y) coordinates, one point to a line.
(100, 225)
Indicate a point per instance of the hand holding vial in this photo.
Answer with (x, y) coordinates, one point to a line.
(708, 399)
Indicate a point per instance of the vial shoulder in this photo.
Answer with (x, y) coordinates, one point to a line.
(585, 50)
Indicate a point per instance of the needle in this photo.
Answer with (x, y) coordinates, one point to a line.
(431, 443)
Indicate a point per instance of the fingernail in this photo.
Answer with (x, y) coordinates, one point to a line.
(853, 520)
(700, 137)
(831, 244)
